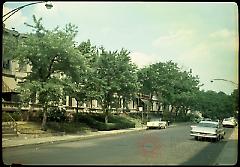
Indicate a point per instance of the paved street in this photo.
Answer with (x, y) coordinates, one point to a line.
(171, 146)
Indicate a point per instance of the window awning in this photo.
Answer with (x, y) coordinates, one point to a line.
(8, 84)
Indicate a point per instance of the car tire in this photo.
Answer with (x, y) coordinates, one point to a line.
(217, 139)
(196, 138)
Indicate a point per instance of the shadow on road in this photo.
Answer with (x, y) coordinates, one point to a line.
(209, 154)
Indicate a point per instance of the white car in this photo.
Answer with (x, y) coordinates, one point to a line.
(208, 129)
(156, 123)
(229, 122)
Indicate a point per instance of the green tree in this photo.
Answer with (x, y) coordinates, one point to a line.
(83, 87)
(215, 105)
(115, 75)
(10, 42)
(235, 100)
(52, 56)
(171, 85)
(185, 89)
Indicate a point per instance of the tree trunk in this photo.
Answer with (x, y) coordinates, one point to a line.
(77, 106)
(29, 111)
(106, 116)
(44, 121)
(177, 109)
(186, 110)
(147, 110)
(124, 106)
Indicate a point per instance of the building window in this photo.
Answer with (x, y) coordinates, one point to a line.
(6, 64)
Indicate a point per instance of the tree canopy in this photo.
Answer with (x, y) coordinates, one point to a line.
(86, 72)
(52, 56)
(116, 76)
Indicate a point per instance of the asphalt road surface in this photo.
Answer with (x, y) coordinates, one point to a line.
(171, 146)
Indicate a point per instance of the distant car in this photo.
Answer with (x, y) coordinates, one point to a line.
(206, 119)
(197, 119)
(229, 122)
(208, 129)
(157, 123)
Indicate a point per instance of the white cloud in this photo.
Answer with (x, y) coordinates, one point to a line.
(17, 19)
(214, 57)
(174, 38)
(107, 30)
(224, 38)
(223, 33)
(142, 59)
(211, 49)
(47, 14)
(209, 55)
(174, 44)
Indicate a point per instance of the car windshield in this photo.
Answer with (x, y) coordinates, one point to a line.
(206, 124)
(228, 119)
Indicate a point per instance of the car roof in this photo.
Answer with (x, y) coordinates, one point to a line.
(212, 122)
(207, 119)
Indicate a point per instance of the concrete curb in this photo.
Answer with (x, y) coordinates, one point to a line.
(69, 138)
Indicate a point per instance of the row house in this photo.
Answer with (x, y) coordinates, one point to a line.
(13, 73)
(132, 106)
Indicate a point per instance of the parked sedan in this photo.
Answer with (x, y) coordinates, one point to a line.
(157, 123)
(208, 129)
(229, 122)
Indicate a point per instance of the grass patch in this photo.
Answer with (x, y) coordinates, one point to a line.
(29, 127)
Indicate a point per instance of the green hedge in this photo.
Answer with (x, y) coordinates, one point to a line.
(72, 127)
(54, 114)
(96, 121)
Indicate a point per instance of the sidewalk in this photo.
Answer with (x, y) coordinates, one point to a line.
(20, 141)
(229, 153)
(29, 140)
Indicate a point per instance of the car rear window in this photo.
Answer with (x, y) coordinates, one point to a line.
(204, 124)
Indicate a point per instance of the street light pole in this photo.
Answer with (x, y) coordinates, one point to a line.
(12, 12)
(225, 80)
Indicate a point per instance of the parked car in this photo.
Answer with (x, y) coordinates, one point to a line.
(229, 122)
(157, 123)
(206, 119)
(208, 129)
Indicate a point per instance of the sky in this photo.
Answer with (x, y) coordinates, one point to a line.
(199, 36)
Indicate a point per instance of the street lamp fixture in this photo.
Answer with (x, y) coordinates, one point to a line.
(12, 12)
(48, 5)
(225, 80)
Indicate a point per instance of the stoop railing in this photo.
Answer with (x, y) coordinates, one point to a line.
(12, 123)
